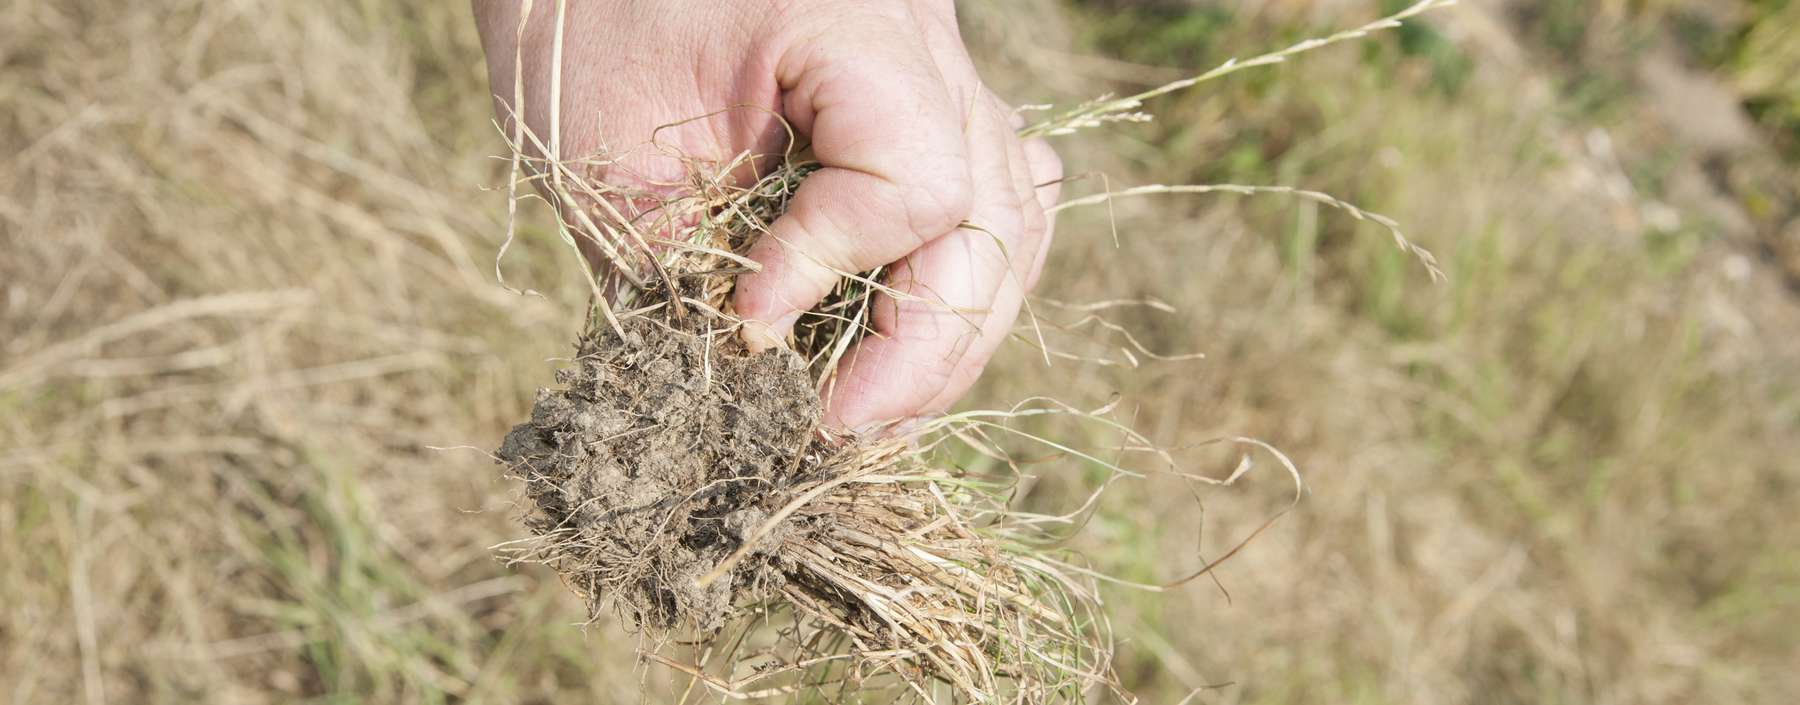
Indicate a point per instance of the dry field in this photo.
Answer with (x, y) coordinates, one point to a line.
(252, 353)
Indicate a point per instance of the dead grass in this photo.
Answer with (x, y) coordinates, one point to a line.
(247, 290)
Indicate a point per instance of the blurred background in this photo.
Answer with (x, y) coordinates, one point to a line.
(252, 349)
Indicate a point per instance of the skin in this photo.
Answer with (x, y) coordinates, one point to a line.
(914, 147)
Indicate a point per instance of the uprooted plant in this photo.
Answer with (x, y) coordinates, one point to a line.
(691, 484)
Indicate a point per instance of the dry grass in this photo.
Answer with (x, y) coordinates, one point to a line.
(248, 289)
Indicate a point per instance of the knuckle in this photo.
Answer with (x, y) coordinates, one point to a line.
(1036, 224)
(938, 204)
(1008, 225)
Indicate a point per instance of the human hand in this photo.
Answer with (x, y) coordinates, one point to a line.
(912, 146)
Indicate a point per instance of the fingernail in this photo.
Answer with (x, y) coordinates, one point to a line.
(908, 426)
(758, 336)
(891, 428)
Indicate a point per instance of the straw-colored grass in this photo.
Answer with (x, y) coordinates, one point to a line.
(248, 318)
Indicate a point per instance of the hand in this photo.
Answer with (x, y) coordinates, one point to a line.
(911, 143)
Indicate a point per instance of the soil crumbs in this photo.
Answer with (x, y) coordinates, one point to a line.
(657, 459)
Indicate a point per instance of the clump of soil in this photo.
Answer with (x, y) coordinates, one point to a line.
(689, 483)
(658, 458)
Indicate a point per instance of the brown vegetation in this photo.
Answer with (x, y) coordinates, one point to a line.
(249, 324)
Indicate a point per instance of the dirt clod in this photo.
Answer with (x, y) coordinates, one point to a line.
(658, 457)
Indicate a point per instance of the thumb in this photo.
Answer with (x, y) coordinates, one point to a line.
(894, 175)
